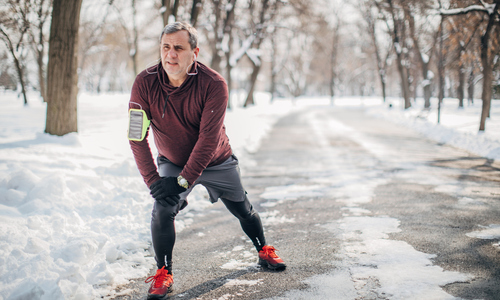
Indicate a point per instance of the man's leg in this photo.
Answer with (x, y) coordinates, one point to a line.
(163, 217)
(249, 220)
(163, 233)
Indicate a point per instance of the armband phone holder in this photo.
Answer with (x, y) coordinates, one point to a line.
(138, 124)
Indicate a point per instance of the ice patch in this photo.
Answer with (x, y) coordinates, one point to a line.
(391, 268)
(234, 264)
(237, 282)
(488, 233)
(273, 218)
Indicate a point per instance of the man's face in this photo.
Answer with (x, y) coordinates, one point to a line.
(176, 56)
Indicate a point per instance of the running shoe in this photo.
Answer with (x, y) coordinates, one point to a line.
(269, 259)
(161, 284)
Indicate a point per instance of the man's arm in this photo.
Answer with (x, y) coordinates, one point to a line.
(211, 129)
(141, 150)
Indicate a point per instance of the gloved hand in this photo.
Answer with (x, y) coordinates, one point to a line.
(167, 186)
(169, 200)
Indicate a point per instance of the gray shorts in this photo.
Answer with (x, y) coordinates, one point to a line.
(221, 181)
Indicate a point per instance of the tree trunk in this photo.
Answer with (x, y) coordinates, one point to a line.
(134, 54)
(169, 10)
(440, 71)
(487, 87)
(195, 11)
(41, 74)
(470, 88)
(253, 82)
(62, 77)
(166, 11)
(17, 63)
(333, 56)
(461, 86)
(424, 65)
(228, 69)
(20, 74)
(273, 66)
(216, 59)
(487, 68)
(405, 86)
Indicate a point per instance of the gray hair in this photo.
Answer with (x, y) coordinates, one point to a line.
(178, 26)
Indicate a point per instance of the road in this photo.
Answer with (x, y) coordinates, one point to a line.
(335, 186)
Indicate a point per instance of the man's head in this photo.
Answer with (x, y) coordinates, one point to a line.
(179, 49)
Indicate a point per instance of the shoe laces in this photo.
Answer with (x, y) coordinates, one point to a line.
(270, 251)
(159, 278)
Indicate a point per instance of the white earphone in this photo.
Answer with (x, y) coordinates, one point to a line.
(189, 67)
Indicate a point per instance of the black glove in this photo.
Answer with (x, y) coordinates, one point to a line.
(167, 186)
(169, 200)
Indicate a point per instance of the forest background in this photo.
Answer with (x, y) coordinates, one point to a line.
(400, 48)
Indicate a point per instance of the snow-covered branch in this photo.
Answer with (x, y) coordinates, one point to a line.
(239, 54)
(465, 10)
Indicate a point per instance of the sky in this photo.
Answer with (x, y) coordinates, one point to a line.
(75, 212)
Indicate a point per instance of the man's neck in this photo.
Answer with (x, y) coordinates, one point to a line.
(176, 82)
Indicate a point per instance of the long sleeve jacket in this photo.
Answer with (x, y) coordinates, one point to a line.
(187, 121)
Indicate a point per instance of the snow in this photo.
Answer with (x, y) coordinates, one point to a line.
(75, 212)
(458, 11)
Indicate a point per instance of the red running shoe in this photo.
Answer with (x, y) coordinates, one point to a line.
(161, 284)
(268, 258)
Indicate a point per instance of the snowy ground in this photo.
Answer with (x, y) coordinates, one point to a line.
(75, 211)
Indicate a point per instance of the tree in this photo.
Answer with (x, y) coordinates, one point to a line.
(366, 9)
(14, 26)
(265, 14)
(62, 77)
(169, 10)
(397, 33)
(462, 32)
(221, 28)
(422, 57)
(489, 47)
(38, 40)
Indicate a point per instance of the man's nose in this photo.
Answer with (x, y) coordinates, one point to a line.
(172, 53)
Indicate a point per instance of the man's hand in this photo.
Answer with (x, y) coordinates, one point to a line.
(170, 200)
(167, 186)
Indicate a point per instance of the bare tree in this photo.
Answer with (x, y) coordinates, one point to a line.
(423, 57)
(221, 29)
(131, 34)
(169, 10)
(265, 13)
(62, 77)
(462, 33)
(397, 33)
(195, 11)
(14, 27)
(370, 19)
(38, 40)
(489, 46)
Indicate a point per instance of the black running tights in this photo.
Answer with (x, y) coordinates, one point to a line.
(163, 229)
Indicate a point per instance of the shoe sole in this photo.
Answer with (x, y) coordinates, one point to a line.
(159, 297)
(277, 267)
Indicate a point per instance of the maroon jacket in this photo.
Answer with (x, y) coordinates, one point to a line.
(189, 131)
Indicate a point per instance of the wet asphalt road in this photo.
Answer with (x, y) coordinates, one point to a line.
(346, 164)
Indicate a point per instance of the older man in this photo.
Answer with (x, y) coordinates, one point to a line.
(185, 103)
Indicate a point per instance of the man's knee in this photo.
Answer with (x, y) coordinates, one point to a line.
(165, 213)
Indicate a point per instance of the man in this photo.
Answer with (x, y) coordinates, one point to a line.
(185, 103)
